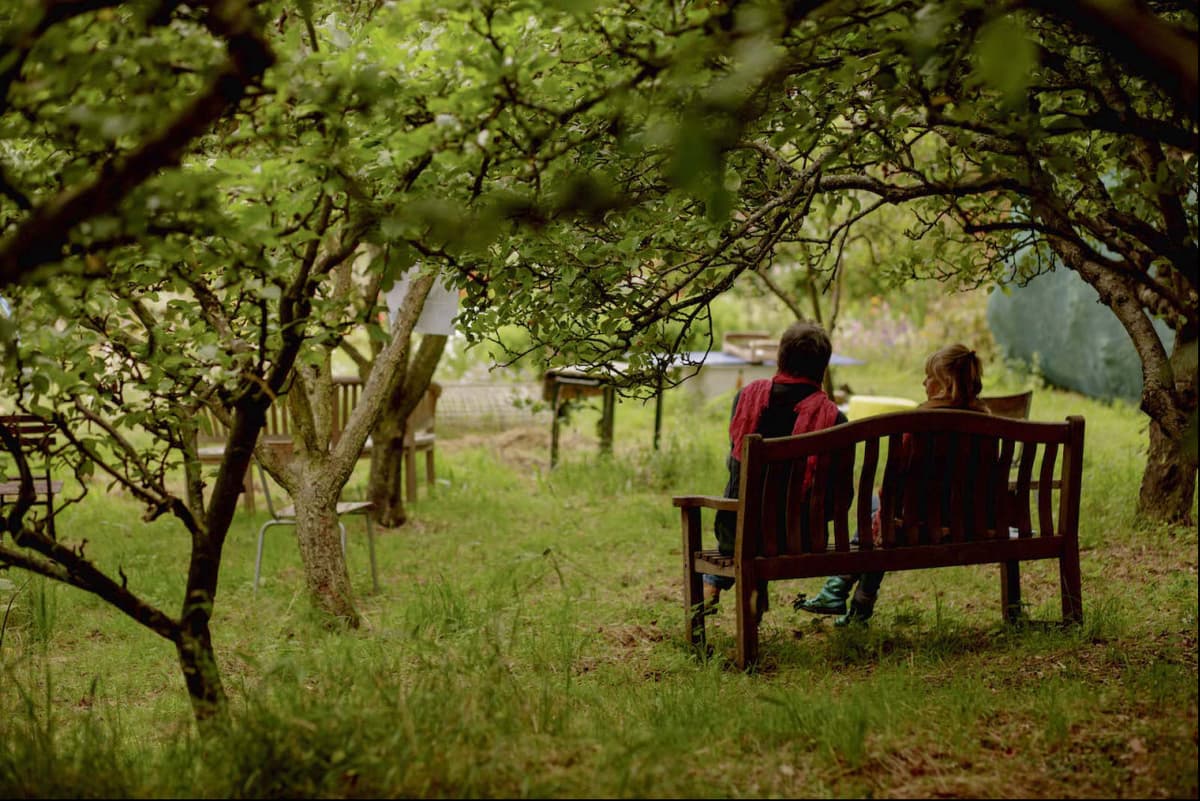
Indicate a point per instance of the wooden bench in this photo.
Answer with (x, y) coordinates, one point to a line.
(946, 499)
(36, 439)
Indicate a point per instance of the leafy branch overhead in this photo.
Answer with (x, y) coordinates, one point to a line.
(142, 144)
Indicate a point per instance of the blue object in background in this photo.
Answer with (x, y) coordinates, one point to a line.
(1079, 342)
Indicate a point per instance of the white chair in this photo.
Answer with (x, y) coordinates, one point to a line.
(287, 517)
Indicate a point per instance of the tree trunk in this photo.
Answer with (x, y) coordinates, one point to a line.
(385, 488)
(201, 674)
(324, 562)
(1169, 483)
(386, 485)
(1169, 382)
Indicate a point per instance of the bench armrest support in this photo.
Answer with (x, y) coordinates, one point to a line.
(705, 502)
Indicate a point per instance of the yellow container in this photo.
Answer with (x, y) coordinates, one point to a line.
(861, 406)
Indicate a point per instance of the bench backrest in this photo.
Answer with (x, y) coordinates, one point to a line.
(942, 477)
(33, 435)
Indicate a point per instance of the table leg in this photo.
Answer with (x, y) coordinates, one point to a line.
(554, 424)
(606, 420)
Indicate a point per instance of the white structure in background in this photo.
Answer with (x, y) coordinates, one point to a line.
(441, 306)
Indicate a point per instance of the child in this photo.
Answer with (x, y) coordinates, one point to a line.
(789, 403)
(953, 380)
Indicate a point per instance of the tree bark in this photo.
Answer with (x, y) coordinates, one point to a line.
(1169, 483)
(201, 674)
(314, 469)
(385, 488)
(318, 536)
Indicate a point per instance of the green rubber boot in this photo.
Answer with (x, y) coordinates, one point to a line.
(831, 600)
(860, 612)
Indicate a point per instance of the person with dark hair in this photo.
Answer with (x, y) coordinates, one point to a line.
(953, 380)
(790, 402)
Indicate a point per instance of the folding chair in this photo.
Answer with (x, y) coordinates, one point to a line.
(287, 517)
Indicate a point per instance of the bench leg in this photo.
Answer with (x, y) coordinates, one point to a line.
(606, 419)
(693, 584)
(258, 555)
(1010, 591)
(1070, 587)
(747, 622)
(555, 413)
(429, 477)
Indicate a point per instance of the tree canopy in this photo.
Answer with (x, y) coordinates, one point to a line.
(198, 201)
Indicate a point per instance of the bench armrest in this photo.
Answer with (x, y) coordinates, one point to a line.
(706, 502)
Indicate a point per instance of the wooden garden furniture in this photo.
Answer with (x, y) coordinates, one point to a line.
(420, 434)
(35, 438)
(949, 501)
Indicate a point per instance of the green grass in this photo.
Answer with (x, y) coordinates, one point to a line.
(527, 641)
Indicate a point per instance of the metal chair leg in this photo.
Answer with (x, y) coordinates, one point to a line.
(342, 532)
(258, 556)
(371, 550)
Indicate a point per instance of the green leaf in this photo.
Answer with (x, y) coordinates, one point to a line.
(1006, 59)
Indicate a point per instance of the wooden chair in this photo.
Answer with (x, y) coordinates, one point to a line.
(1015, 407)
(277, 429)
(420, 437)
(36, 439)
(287, 517)
(420, 434)
(347, 389)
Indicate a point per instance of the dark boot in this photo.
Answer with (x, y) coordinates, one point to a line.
(861, 609)
(831, 600)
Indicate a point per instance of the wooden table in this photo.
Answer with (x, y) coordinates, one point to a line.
(712, 372)
(563, 384)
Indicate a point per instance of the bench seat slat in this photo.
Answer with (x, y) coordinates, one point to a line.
(842, 469)
(714, 562)
(816, 534)
(12, 487)
(1021, 490)
(888, 492)
(999, 490)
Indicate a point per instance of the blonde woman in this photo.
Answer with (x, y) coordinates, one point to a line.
(953, 380)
